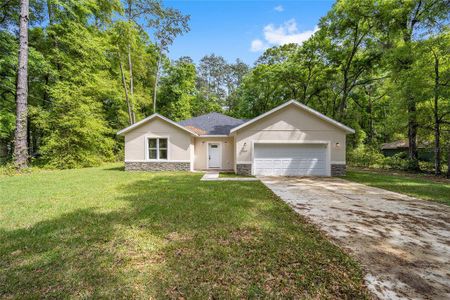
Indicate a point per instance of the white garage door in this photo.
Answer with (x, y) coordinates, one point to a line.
(290, 159)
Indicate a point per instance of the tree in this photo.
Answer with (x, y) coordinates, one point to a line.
(351, 48)
(234, 76)
(177, 90)
(211, 78)
(168, 25)
(401, 20)
(135, 10)
(434, 67)
(20, 137)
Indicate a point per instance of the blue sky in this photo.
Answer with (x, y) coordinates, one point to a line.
(243, 29)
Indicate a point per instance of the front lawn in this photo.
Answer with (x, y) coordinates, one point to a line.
(416, 186)
(232, 175)
(106, 233)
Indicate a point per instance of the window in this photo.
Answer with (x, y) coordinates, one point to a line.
(157, 148)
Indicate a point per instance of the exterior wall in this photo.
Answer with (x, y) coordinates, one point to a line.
(338, 169)
(180, 142)
(157, 166)
(200, 152)
(290, 124)
(244, 169)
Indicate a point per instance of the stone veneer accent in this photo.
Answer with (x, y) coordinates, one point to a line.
(157, 166)
(338, 170)
(244, 169)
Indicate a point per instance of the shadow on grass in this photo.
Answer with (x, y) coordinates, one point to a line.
(416, 187)
(119, 168)
(177, 237)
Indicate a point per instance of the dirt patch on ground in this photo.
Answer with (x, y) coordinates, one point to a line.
(403, 242)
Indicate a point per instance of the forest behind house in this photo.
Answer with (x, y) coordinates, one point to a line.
(96, 66)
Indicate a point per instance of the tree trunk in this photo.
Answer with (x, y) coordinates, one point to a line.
(3, 150)
(130, 66)
(437, 129)
(448, 159)
(343, 102)
(371, 134)
(129, 105)
(412, 134)
(20, 138)
(156, 82)
(411, 101)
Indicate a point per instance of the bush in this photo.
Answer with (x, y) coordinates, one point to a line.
(368, 157)
(397, 161)
(364, 156)
(10, 170)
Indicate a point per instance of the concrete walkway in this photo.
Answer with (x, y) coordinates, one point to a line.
(214, 176)
(402, 242)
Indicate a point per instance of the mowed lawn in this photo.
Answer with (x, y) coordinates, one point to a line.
(416, 186)
(106, 233)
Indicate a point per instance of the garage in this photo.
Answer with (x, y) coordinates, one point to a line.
(290, 160)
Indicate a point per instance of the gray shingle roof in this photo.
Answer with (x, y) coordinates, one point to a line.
(213, 123)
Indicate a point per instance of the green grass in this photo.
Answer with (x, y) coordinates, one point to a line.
(106, 233)
(419, 187)
(232, 175)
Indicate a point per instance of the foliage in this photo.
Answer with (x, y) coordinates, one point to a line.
(366, 156)
(77, 134)
(76, 92)
(218, 80)
(177, 90)
(380, 67)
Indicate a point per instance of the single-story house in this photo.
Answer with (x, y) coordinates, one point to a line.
(289, 140)
(426, 152)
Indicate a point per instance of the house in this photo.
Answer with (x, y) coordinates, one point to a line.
(291, 139)
(402, 146)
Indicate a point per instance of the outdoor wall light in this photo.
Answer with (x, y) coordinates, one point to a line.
(338, 146)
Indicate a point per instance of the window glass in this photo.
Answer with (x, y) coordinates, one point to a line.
(162, 153)
(213, 146)
(157, 148)
(152, 143)
(152, 154)
(162, 143)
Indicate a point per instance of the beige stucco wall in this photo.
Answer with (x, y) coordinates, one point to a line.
(290, 124)
(200, 146)
(180, 141)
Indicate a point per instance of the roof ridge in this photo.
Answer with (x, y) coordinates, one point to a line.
(210, 113)
(214, 123)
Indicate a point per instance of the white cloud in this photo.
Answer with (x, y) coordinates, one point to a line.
(279, 8)
(279, 35)
(257, 45)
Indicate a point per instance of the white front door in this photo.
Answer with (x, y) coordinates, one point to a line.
(214, 155)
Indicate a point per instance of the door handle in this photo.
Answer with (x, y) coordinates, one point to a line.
(209, 157)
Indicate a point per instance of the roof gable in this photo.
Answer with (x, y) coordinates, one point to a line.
(135, 125)
(304, 108)
(212, 124)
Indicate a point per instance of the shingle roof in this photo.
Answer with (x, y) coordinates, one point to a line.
(212, 123)
(402, 144)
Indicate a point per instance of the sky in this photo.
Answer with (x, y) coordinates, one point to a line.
(243, 29)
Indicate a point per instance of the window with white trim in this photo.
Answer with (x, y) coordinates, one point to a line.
(157, 148)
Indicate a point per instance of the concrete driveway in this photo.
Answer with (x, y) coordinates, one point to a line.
(402, 242)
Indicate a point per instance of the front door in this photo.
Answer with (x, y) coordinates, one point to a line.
(214, 155)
